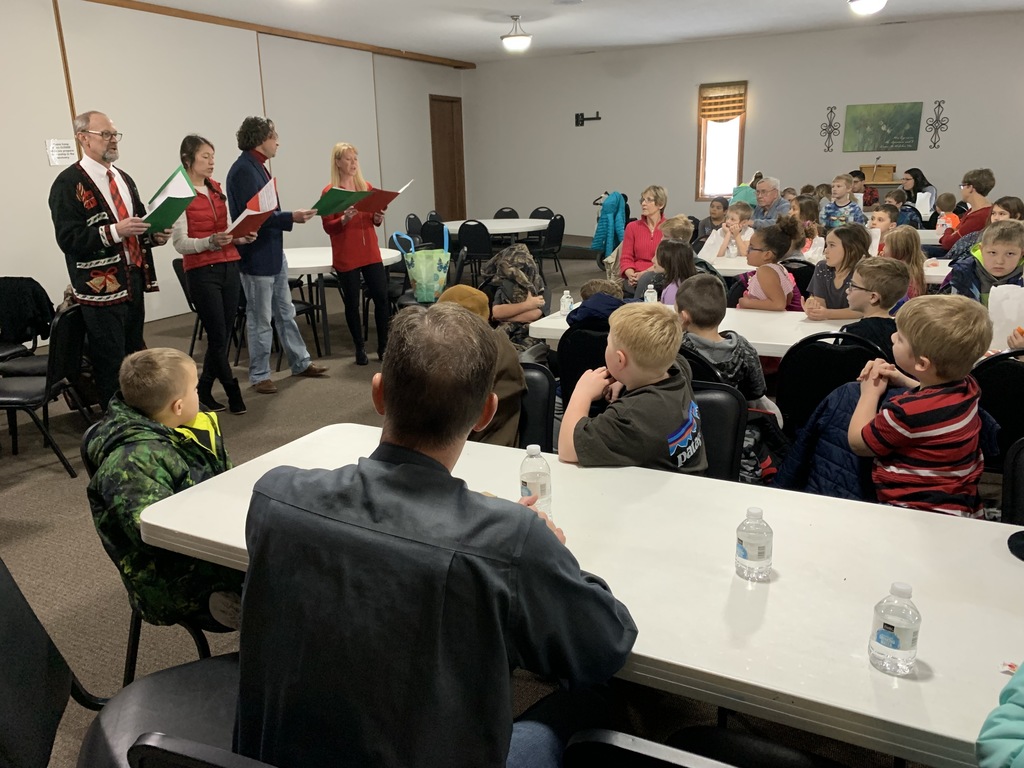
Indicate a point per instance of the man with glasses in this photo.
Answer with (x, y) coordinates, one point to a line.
(96, 212)
(975, 186)
(770, 204)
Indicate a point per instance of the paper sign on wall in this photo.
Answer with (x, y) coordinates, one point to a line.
(61, 151)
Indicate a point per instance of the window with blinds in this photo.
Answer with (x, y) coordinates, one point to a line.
(721, 116)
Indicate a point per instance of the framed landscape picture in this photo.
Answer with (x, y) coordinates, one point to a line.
(882, 127)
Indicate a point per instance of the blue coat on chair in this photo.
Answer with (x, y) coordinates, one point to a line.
(611, 224)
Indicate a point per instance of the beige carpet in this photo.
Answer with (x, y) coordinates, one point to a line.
(48, 541)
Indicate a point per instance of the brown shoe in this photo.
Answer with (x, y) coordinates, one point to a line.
(265, 387)
(313, 371)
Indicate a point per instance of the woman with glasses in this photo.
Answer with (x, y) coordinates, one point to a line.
(641, 238)
(914, 182)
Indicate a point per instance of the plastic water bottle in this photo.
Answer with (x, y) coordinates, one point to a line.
(754, 547)
(650, 295)
(566, 303)
(535, 478)
(892, 646)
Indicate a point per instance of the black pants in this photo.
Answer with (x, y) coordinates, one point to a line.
(376, 280)
(114, 332)
(215, 291)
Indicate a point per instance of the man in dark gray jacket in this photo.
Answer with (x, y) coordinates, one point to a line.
(386, 603)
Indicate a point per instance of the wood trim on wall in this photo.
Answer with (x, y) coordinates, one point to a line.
(136, 5)
(67, 70)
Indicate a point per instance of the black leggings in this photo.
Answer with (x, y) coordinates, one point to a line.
(376, 281)
(215, 291)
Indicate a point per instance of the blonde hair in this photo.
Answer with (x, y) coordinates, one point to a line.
(845, 178)
(152, 379)
(339, 149)
(888, 278)
(951, 331)
(599, 285)
(1009, 231)
(677, 228)
(660, 196)
(904, 244)
(649, 333)
(741, 209)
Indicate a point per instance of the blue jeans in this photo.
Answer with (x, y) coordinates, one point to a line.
(268, 297)
(534, 745)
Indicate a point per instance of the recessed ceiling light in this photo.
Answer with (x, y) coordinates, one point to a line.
(866, 7)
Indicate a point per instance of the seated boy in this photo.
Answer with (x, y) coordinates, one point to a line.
(859, 187)
(926, 441)
(732, 238)
(154, 442)
(878, 283)
(908, 214)
(945, 214)
(842, 209)
(652, 420)
(509, 381)
(599, 298)
(701, 304)
(997, 260)
(515, 290)
(884, 218)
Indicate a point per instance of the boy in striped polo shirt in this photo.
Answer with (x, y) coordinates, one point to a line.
(925, 442)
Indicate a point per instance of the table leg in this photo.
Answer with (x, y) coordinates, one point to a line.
(323, 314)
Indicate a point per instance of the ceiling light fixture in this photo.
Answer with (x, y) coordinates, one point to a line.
(866, 7)
(517, 41)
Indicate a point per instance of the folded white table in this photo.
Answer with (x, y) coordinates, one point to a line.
(317, 260)
(793, 650)
(770, 333)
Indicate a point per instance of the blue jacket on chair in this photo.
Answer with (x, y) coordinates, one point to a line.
(611, 224)
(264, 256)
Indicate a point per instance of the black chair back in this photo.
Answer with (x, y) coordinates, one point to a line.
(67, 343)
(90, 467)
(474, 236)
(506, 213)
(735, 293)
(1001, 378)
(1013, 484)
(590, 748)
(541, 213)
(723, 421)
(802, 272)
(432, 232)
(701, 368)
(455, 273)
(158, 750)
(551, 240)
(537, 412)
(179, 270)
(813, 368)
(434, 216)
(580, 349)
(413, 224)
(695, 223)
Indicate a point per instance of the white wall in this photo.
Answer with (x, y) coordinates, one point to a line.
(523, 150)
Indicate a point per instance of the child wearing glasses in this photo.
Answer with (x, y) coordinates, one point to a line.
(771, 287)
(878, 283)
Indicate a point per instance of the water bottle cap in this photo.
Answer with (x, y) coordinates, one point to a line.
(533, 450)
(566, 292)
(754, 513)
(901, 589)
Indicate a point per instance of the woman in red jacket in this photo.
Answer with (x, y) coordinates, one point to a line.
(211, 269)
(356, 253)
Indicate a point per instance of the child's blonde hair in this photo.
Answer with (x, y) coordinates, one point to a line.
(953, 332)
(152, 379)
(677, 228)
(904, 244)
(741, 209)
(844, 177)
(1009, 231)
(649, 333)
(886, 277)
(599, 285)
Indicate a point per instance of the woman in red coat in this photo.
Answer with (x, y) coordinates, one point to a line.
(356, 253)
(211, 269)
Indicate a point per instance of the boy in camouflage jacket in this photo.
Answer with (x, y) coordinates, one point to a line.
(153, 443)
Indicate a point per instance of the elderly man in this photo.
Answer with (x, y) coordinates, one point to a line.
(770, 204)
(386, 603)
(96, 212)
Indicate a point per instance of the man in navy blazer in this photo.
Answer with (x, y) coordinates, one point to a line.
(264, 271)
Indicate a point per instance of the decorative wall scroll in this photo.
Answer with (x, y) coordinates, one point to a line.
(830, 129)
(937, 124)
(882, 127)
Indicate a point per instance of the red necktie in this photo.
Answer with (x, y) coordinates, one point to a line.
(131, 243)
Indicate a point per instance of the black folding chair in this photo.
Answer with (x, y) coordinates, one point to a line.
(501, 241)
(532, 239)
(551, 245)
(1001, 378)
(537, 413)
(701, 368)
(723, 422)
(474, 237)
(413, 224)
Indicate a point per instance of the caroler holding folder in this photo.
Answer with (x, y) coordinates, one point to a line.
(355, 251)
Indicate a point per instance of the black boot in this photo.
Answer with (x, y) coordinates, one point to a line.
(206, 400)
(361, 358)
(234, 393)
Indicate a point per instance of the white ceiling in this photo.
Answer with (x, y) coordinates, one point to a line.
(468, 30)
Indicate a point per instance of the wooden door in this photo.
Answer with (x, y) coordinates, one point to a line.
(449, 162)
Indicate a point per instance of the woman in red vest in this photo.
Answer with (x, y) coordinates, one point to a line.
(211, 270)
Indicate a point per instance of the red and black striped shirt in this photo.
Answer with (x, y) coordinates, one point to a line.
(926, 446)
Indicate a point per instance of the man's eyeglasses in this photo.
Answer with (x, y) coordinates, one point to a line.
(106, 135)
(965, 184)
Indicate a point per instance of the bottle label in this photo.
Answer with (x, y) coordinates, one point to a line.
(540, 487)
(752, 552)
(895, 638)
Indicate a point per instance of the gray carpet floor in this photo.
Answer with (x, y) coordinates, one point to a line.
(48, 541)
